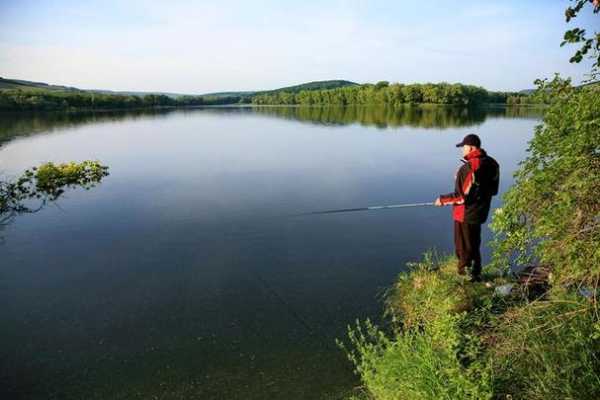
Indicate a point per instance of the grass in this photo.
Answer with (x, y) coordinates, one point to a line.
(448, 338)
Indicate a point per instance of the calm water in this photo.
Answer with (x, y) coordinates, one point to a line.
(180, 275)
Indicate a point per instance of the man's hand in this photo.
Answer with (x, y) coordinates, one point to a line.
(438, 202)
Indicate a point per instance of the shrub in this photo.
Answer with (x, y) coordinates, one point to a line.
(431, 352)
(547, 350)
(551, 215)
(46, 183)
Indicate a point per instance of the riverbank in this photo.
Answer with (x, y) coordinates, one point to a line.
(452, 339)
(448, 338)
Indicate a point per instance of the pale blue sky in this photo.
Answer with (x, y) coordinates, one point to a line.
(205, 46)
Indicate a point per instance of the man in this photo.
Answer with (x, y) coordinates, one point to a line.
(477, 181)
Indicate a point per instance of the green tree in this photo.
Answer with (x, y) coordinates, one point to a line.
(578, 35)
(381, 85)
(551, 214)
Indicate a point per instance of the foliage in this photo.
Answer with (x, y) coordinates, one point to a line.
(433, 351)
(39, 99)
(551, 214)
(452, 339)
(312, 93)
(24, 95)
(578, 35)
(547, 350)
(521, 99)
(310, 86)
(385, 93)
(44, 184)
(428, 292)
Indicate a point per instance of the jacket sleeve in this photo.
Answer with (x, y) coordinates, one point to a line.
(464, 180)
(496, 179)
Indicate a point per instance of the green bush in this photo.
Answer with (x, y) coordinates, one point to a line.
(551, 215)
(547, 350)
(432, 351)
(428, 292)
(46, 183)
(451, 339)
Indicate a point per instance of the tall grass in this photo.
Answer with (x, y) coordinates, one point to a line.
(452, 339)
(548, 350)
(427, 353)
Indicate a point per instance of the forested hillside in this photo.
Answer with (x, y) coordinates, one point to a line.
(391, 94)
(16, 95)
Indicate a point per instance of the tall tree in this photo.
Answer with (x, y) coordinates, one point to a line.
(578, 35)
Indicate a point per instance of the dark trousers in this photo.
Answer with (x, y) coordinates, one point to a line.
(467, 239)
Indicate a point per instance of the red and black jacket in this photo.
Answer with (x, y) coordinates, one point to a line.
(477, 180)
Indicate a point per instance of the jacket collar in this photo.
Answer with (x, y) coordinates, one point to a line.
(477, 153)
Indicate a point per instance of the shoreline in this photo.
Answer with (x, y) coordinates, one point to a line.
(243, 105)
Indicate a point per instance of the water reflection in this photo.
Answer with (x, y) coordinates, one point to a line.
(25, 124)
(423, 116)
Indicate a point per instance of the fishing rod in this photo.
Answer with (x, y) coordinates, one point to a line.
(371, 208)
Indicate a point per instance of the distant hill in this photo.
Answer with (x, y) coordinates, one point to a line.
(30, 85)
(20, 84)
(531, 91)
(123, 93)
(316, 85)
(526, 91)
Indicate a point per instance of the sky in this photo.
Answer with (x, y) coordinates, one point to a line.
(227, 45)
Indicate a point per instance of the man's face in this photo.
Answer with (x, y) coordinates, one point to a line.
(466, 149)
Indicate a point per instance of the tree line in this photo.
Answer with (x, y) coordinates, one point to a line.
(390, 94)
(35, 99)
(381, 93)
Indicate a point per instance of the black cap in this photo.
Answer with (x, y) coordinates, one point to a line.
(471, 140)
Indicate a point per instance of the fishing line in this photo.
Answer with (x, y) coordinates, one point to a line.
(371, 208)
(286, 305)
(274, 293)
(295, 315)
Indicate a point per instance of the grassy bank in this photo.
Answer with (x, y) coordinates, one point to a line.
(448, 338)
(452, 339)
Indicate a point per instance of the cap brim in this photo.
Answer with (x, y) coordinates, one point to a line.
(460, 144)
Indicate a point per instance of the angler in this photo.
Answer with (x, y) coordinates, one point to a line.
(477, 181)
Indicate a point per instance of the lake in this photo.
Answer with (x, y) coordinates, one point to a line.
(187, 274)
